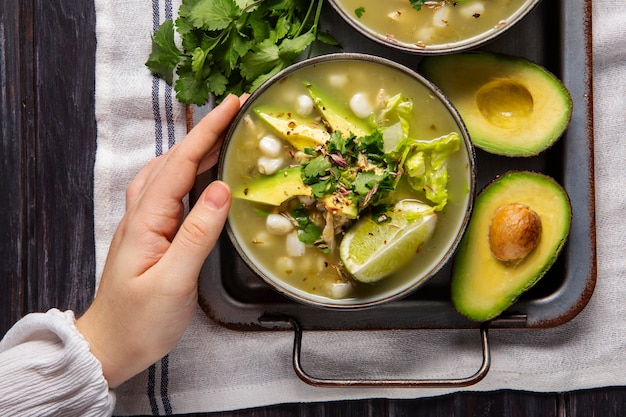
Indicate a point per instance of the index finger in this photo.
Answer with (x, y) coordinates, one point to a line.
(178, 171)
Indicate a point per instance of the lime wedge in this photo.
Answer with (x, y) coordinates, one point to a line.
(371, 251)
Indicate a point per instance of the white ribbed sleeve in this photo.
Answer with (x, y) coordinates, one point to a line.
(46, 369)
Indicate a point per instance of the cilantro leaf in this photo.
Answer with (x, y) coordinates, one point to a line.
(316, 167)
(261, 59)
(359, 12)
(189, 88)
(365, 182)
(336, 143)
(322, 188)
(264, 77)
(197, 62)
(289, 49)
(235, 46)
(165, 55)
(373, 145)
(417, 4)
(283, 27)
(310, 234)
(211, 14)
(217, 82)
(327, 39)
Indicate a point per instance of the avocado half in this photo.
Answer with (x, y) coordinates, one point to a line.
(511, 106)
(484, 286)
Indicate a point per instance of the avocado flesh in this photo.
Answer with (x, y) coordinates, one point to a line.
(482, 286)
(510, 105)
(274, 189)
(297, 133)
(344, 123)
(342, 205)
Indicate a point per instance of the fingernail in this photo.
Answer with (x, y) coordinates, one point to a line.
(217, 195)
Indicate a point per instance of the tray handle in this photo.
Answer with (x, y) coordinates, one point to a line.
(387, 383)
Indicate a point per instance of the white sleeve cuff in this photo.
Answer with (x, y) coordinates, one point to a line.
(46, 368)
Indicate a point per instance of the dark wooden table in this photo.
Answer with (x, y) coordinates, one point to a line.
(48, 145)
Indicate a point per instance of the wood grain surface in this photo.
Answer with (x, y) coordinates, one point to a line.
(47, 151)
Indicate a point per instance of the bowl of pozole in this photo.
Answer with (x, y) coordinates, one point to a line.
(432, 27)
(353, 181)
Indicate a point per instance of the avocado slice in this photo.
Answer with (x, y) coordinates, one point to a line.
(298, 133)
(274, 189)
(333, 118)
(340, 204)
(511, 106)
(483, 286)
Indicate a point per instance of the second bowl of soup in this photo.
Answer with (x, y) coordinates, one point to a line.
(432, 27)
(352, 179)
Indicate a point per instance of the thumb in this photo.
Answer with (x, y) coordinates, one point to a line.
(199, 231)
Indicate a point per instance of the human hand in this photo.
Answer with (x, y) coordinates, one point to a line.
(148, 291)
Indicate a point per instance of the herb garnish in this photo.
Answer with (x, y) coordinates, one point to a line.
(418, 4)
(308, 232)
(355, 168)
(232, 46)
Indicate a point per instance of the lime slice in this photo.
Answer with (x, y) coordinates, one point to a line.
(371, 251)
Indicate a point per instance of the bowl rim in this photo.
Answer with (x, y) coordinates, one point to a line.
(301, 296)
(436, 49)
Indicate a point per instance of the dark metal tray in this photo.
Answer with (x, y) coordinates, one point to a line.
(556, 35)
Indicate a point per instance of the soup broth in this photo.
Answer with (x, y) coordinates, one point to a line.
(438, 23)
(308, 271)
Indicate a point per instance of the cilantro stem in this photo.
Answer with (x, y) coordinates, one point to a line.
(318, 13)
(251, 6)
(306, 18)
(316, 20)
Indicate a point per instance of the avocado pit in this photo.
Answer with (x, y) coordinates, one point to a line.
(514, 231)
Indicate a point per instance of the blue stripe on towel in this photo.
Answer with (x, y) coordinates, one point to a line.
(167, 406)
(156, 109)
(151, 381)
(169, 117)
(158, 142)
(169, 110)
(158, 150)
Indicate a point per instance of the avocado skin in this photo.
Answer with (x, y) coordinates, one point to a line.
(463, 77)
(482, 286)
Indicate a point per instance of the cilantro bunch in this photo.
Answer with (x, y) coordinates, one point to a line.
(232, 46)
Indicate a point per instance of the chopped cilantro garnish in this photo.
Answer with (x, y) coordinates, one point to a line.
(351, 166)
(365, 182)
(417, 4)
(232, 46)
(359, 12)
(314, 168)
(308, 232)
